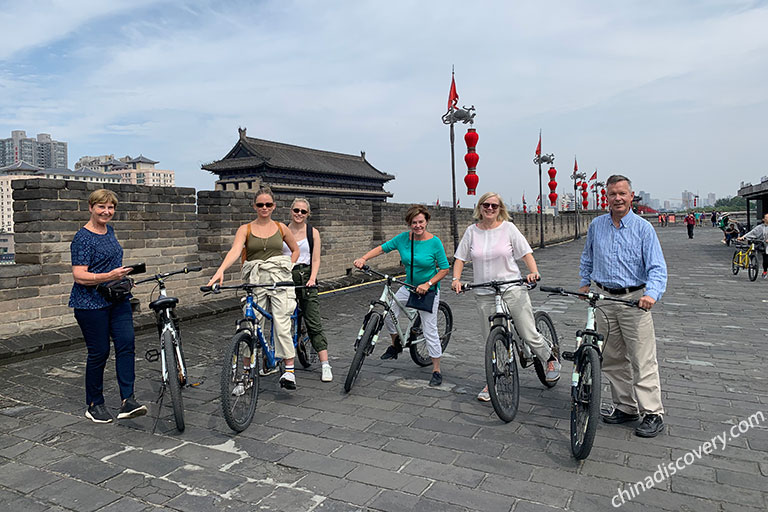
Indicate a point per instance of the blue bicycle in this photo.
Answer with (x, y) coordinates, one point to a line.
(251, 354)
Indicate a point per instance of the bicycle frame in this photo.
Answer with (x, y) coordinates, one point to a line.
(169, 324)
(251, 308)
(385, 301)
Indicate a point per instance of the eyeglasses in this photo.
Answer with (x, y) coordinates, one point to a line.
(299, 210)
(264, 205)
(490, 206)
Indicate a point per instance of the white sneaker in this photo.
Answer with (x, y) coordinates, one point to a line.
(327, 375)
(553, 371)
(288, 381)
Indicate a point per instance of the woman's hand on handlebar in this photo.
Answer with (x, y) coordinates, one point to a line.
(359, 262)
(456, 285)
(218, 278)
(422, 288)
(533, 277)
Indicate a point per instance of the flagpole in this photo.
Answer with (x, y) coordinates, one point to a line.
(539, 159)
(454, 210)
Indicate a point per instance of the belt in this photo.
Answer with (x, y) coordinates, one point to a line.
(301, 265)
(620, 291)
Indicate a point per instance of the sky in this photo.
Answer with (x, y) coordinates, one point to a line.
(671, 94)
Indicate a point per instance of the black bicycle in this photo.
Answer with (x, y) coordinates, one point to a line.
(585, 380)
(504, 344)
(171, 354)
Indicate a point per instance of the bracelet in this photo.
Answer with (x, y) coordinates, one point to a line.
(454, 279)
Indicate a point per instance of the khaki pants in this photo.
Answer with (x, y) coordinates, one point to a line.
(520, 308)
(629, 356)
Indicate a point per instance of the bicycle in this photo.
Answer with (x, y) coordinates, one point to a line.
(374, 321)
(586, 379)
(745, 259)
(171, 355)
(504, 344)
(248, 350)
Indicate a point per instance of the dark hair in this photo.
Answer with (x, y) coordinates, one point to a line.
(616, 178)
(264, 190)
(414, 210)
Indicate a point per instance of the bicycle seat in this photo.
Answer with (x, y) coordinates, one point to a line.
(162, 303)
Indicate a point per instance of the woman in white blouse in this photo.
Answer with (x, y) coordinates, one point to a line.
(493, 245)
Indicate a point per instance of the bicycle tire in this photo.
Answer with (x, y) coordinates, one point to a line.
(585, 403)
(419, 351)
(735, 263)
(501, 374)
(238, 404)
(752, 266)
(364, 347)
(304, 350)
(546, 327)
(174, 379)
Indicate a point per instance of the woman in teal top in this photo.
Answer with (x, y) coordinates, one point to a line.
(424, 270)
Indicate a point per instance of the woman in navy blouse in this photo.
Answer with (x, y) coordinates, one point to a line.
(97, 257)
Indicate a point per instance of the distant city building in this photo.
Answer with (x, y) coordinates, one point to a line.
(136, 171)
(42, 152)
(6, 248)
(711, 199)
(24, 170)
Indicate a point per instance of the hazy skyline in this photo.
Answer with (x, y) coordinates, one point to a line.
(672, 94)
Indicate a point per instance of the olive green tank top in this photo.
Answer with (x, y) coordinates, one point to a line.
(258, 248)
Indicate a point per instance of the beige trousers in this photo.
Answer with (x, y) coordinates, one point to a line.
(520, 308)
(281, 302)
(629, 356)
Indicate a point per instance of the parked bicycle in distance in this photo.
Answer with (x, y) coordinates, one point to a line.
(504, 346)
(586, 379)
(745, 257)
(171, 354)
(251, 355)
(373, 322)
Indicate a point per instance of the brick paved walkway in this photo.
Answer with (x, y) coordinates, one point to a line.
(395, 444)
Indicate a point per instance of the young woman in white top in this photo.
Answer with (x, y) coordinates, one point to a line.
(305, 273)
(493, 245)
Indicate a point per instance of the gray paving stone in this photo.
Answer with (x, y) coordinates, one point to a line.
(146, 462)
(370, 457)
(355, 493)
(444, 472)
(306, 442)
(421, 451)
(388, 479)
(532, 491)
(469, 498)
(127, 505)
(148, 489)
(76, 495)
(318, 463)
(24, 478)
(187, 501)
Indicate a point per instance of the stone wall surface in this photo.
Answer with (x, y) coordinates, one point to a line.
(172, 227)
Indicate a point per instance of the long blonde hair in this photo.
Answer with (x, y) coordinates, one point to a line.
(478, 213)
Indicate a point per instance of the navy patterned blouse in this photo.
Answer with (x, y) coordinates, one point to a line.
(101, 253)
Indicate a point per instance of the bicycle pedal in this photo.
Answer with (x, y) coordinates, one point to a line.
(152, 355)
(268, 371)
(568, 356)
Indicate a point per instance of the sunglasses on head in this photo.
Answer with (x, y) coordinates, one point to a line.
(299, 210)
(490, 206)
(265, 205)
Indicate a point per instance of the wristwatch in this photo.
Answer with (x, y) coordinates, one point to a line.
(429, 282)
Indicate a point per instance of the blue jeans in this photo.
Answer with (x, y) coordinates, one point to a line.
(98, 326)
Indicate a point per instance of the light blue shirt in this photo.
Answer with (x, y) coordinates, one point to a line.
(622, 257)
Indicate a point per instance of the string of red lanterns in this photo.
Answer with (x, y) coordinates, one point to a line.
(471, 158)
(603, 199)
(552, 186)
(584, 195)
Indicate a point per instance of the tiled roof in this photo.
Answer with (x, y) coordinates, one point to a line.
(21, 165)
(258, 152)
(141, 159)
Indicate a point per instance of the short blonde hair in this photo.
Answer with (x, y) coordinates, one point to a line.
(102, 196)
(302, 200)
(478, 213)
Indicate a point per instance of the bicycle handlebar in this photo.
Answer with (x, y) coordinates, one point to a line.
(591, 295)
(163, 275)
(249, 287)
(369, 270)
(498, 284)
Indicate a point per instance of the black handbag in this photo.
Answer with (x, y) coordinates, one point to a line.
(115, 291)
(421, 302)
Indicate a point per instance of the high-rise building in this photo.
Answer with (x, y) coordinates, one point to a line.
(711, 199)
(41, 152)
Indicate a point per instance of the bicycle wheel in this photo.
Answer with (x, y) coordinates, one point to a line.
(735, 263)
(547, 329)
(174, 380)
(752, 266)
(364, 347)
(501, 374)
(304, 350)
(585, 403)
(419, 351)
(240, 382)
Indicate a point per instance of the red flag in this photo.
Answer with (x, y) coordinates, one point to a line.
(538, 199)
(453, 96)
(523, 198)
(594, 176)
(538, 148)
(437, 203)
(457, 202)
(575, 166)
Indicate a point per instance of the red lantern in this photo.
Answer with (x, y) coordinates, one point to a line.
(538, 209)
(583, 185)
(525, 209)
(552, 186)
(584, 204)
(471, 158)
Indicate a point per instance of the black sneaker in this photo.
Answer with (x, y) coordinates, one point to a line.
(618, 416)
(98, 414)
(131, 409)
(652, 425)
(391, 352)
(436, 379)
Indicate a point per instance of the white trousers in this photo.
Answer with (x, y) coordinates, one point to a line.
(428, 322)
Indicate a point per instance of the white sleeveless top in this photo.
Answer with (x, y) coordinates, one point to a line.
(303, 251)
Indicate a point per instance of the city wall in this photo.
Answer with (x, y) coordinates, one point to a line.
(172, 227)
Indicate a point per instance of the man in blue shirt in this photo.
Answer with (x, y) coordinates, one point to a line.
(623, 257)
